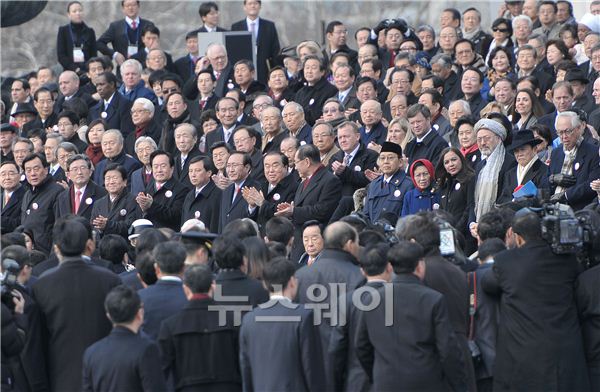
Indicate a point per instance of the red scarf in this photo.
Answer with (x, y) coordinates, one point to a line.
(94, 152)
(467, 151)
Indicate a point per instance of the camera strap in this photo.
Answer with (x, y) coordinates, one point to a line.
(472, 281)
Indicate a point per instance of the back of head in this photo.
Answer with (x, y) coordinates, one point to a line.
(492, 225)
(13, 238)
(170, 257)
(240, 228)
(489, 248)
(374, 259)
(122, 304)
(279, 229)
(422, 229)
(198, 278)
(277, 273)
(148, 239)
(228, 251)
(404, 256)
(112, 247)
(70, 237)
(338, 234)
(18, 253)
(528, 225)
(144, 265)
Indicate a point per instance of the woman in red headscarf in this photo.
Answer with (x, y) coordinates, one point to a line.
(423, 197)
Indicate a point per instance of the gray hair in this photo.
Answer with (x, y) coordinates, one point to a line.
(68, 147)
(145, 139)
(271, 108)
(131, 63)
(265, 96)
(215, 45)
(296, 106)
(187, 125)
(521, 18)
(465, 106)
(146, 103)
(426, 28)
(575, 120)
(114, 132)
(442, 59)
(326, 125)
(541, 38)
(56, 136)
(80, 157)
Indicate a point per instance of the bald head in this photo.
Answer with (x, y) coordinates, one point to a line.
(68, 83)
(341, 236)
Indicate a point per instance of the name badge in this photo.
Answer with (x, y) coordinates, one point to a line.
(357, 168)
(35, 206)
(457, 186)
(123, 212)
(78, 56)
(89, 201)
(132, 50)
(576, 165)
(103, 115)
(312, 100)
(397, 193)
(168, 194)
(276, 196)
(197, 214)
(436, 206)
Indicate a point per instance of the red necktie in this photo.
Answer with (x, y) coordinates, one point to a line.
(133, 25)
(305, 184)
(77, 201)
(158, 186)
(202, 104)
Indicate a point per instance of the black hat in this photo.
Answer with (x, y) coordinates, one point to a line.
(6, 127)
(576, 74)
(198, 237)
(25, 107)
(522, 138)
(392, 147)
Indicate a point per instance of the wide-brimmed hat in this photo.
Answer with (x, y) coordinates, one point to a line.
(522, 138)
(576, 74)
(24, 107)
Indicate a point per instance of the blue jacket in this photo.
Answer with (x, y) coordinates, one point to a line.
(161, 300)
(382, 198)
(416, 201)
(139, 91)
(377, 135)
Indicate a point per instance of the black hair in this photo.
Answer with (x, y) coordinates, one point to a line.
(423, 230)
(72, 116)
(170, 257)
(18, 253)
(207, 163)
(33, 156)
(113, 248)
(37, 132)
(309, 151)
(42, 90)
(12, 238)
(206, 7)
(490, 248)
(365, 79)
(228, 251)
(277, 273)
(69, 236)
(404, 256)
(150, 28)
(148, 239)
(257, 254)
(144, 265)
(161, 152)
(279, 229)
(240, 229)
(476, 70)
(122, 303)
(117, 167)
(172, 77)
(331, 26)
(505, 21)
(492, 224)
(375, 259)
(198, 278)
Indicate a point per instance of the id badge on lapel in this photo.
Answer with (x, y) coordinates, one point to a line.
(78, 56)
(132, 50)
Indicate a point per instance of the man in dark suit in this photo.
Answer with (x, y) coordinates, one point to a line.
(426, 353)
(233, 204)
(163, 199)
(562, 98)
(12, 195)
(82, 193)
(44, 104)
(185, 66)
(265, 37)
(125, 359)
(166, 297)
(317, 90)
(343, 79)
(233, 285)
(588, 302)
(113, 108)
(354, 159)
(124, 35)
(428, 144)
(298, 367)
(197, 328)
(69, 86)
(337, 263)
(345, 368)
(295, 123)
(557, 362)
(70, 302)
(114, 152)
(573, 165)
(39, 202)
(209, 14)
(279, 187)
(336, 34)
(316, 197)
(227, 109)
(115, 212)
(203, 202)
(186, 138)
(144, 121)
(373, 131)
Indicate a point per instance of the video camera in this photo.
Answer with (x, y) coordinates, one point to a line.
(11, 271)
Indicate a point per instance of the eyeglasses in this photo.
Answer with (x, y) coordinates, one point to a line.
(169, 90)
(261, 106)
(566, 132)
(499, 30)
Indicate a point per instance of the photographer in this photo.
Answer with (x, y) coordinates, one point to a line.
(539, 344)
(13, 340)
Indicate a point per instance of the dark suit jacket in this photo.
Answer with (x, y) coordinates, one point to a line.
(92, 193)
(588, 305)
(430, 148)
(455, 197)
(153, 130)
(284, 192)
(538, 302)
(275, 144)
(317, 201)
(235, 283)
(232, 209)
(297, 368)
(123, 361)
(116, 35)
(121, 214)
(37, 123)
(165, 210)
(304, 134)
(312, 99)
(118, 114)
(205, 207)
(181, 174)
(377, 134)
(72, 315)
(196, 329)
(548, 120)
(267, 46)
(161, 300)
(586, 168)
(537, 173)
(425, 351)
(184, 67)
(85, 39)
(195, 109)
(218, 136)
(87, 98)
(353, 177)
(127, 161)
(137, 181)
(11, 212)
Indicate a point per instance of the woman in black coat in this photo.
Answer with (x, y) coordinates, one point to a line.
(76, 42)
(455, 184)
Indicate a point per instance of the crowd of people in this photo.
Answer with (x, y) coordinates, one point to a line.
(321, 218)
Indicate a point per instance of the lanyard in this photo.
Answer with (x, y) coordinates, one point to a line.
(137, 33)
(75, 45)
